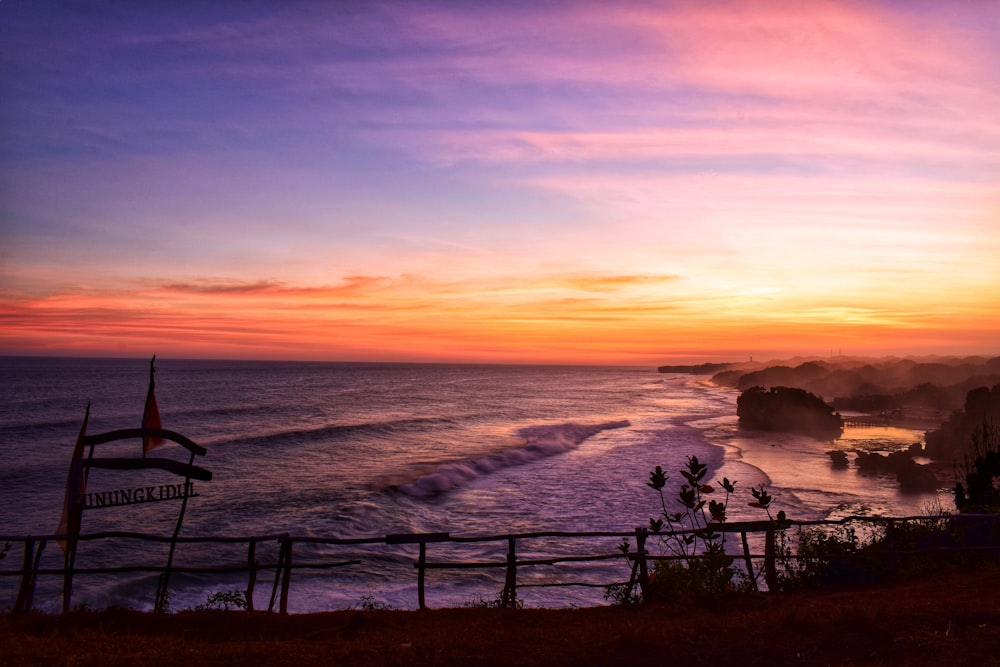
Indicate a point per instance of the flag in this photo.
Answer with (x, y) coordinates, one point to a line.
(151, 414)
(76, 487)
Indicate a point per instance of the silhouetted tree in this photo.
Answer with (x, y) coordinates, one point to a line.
(952, 438)
(978, 488)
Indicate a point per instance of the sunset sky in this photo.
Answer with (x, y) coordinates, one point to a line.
(635, 182)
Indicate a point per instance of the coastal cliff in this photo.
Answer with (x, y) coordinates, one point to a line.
(789, 409)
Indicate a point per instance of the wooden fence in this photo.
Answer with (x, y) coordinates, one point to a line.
(757, 565)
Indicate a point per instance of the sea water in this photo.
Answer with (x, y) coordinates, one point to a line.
(365, 450)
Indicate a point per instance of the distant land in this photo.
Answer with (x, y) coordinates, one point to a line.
(698, 369)
(862, 384)
(949, 397)
(900, 387)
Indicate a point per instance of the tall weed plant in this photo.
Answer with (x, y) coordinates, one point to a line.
(692, 561)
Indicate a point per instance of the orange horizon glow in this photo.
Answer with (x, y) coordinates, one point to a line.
(632, 183)
(619, 320)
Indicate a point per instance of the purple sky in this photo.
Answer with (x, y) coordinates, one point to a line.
(625, 182)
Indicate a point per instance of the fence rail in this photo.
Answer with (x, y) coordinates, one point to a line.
(639, 556)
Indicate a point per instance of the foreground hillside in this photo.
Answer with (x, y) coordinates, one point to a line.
(951, 619)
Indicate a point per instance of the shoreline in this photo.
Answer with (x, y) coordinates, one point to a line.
(807, 485)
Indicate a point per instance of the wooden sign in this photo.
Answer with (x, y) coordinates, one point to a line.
(139, 494)
(78, 499)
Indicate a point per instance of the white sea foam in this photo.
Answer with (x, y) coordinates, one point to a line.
(539, 442)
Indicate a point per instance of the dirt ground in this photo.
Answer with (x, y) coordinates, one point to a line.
(952, 619)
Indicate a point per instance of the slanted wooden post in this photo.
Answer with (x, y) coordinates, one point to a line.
(27, 588)
(748, 560)
(640, 554)
(632, 579)
(162, 590)
(252, 567)
(286, 578)
(278, 570)
(508, 598)
(770, 564)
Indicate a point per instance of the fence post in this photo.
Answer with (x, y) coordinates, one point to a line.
(421, 572)
(508, 597)
(748, 560)
(770, 565)
(277, 574)
(252, 567)
(24, 593)
(286, 576)
(422, 539)
(640, 554)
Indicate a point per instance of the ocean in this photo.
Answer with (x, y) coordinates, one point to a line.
(365, 450)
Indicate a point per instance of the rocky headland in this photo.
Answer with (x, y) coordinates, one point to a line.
(950, 399)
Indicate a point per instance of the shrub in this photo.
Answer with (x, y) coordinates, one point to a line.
(843, 556)
(504, 600)
(833, 557)
(369, 603)
(692, 562)
(224, 600)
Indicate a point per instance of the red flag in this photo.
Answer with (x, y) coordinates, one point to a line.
(151, 414)
(76, 487)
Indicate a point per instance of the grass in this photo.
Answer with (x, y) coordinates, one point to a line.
(950, 619)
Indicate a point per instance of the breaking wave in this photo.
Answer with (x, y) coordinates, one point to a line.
(539, 442)
(335, 432)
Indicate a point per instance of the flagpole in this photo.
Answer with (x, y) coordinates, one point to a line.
(151, 420)
(150, 401)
